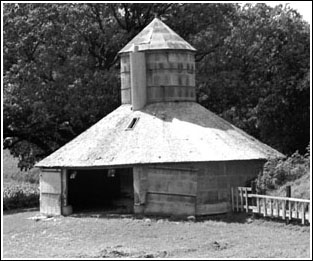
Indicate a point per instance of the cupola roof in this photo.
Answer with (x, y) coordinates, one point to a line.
(157, 36)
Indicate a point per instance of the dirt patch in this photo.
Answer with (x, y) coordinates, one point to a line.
(126, 236)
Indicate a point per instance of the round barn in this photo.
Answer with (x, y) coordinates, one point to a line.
(160, 152)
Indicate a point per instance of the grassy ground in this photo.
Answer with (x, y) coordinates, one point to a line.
(20, 194)
(124, 236)
(300, 188)
(102, 235)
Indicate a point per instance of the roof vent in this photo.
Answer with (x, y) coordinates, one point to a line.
(132, 124)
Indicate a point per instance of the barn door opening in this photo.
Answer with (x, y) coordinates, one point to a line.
(101, 190)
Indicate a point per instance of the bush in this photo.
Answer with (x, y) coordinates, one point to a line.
(20, 195)
(279, 171)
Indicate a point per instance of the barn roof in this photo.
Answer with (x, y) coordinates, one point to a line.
(157, 36)
(166, 132)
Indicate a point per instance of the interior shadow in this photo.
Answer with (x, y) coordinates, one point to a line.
(98, 190)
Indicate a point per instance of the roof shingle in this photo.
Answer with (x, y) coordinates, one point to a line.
(166, 132)
(157, 36)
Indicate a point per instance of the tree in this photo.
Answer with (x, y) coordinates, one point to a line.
(60, 75)
(61, 68)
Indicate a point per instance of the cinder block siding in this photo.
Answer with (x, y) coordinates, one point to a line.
(191, 188)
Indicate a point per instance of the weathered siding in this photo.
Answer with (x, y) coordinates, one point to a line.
(125, 79)
(50, 192)
(168, 76)
(190, 188)
(165, 190)
(215, 180)
(138, 79)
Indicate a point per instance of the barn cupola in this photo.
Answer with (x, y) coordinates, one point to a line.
(157, 65)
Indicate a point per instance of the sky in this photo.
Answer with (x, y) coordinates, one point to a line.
(303, 7)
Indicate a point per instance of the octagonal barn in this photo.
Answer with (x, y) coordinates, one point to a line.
(160, 152)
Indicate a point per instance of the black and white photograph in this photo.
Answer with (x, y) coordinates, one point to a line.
(156, 130)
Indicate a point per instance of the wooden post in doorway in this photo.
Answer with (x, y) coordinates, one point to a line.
(140, 189)
(66, 209)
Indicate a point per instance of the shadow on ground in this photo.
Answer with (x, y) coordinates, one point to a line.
(228, 217)
(19, 210)
(241, 218)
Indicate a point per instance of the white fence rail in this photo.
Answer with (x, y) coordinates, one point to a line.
(269, 206)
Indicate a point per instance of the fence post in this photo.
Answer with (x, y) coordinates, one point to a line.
(277, 208)
(258, 205)
(271, 208)
(253, 199)
(297, 209)
(247, 205)
(264, 204)
(290, 210)
(284, 208)
(288, 195)
(303, 213)
(237, 199)
(241, 199)
(232, 199)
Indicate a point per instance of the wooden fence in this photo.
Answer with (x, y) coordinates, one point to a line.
(243, 200)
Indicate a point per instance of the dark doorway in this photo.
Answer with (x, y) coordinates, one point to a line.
(101, 190)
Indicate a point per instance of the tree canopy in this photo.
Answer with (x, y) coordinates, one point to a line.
(61, 68)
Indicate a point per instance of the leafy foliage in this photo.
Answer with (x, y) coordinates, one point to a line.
(11, 172)
(61, 68)
(278, 172)
(20, 195)
(259, 78)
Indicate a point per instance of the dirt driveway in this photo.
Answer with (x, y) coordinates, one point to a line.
(100, 236)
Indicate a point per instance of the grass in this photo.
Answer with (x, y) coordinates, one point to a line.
(293, 171)
(300, 188)
(20, 195)
(96, 235)
(11, 172)
(99, 235)
(20, 188)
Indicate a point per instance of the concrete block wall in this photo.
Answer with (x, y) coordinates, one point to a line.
(170, 76)
(191, 188)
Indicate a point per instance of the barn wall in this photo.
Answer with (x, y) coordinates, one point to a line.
(165, 190)
(215, 180)
(190, 188)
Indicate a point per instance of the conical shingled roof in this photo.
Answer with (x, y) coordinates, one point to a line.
(167, 132)
(157, 36)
